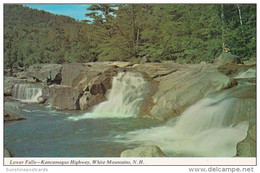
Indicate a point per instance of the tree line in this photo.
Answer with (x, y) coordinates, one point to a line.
(184, 33)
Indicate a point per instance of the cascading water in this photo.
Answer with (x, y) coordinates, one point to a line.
(26, 92)
(199, 131)
(124, 100)
(249, 73)
(211, 127)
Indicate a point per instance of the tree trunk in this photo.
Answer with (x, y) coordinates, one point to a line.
(223, 26)
(137, 37)
(240, 15)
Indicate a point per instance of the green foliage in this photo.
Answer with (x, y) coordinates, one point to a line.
(241, 38)
(32, 36)
(178, 32)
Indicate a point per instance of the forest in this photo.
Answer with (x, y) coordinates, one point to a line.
(183, 33)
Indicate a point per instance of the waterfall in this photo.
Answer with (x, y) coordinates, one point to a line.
(249, 73)
(124, 100)
(26, 92)
(204, 129)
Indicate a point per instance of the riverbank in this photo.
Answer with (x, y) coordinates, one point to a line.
(171, 88)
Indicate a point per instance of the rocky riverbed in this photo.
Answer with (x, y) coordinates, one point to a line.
(172, 89)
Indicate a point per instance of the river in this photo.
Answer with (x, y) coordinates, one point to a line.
(211, 127)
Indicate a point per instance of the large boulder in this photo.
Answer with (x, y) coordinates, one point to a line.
(7, 153)
(102, 83)
(61, 97)
(83, 84)
(144, 151)
(77, 79)
(82, 75)
(47, 73)
(92, 77)
(227, 58)
(244, 107)
(9, 82)
(245, 110)
(178, 87)
(41, 99)
(12, 106)
(87, 101)
(144, 60)
(96, 88)
(72, 74)
(247, 147)
(83, 102)
(234, 69)
(11, 116)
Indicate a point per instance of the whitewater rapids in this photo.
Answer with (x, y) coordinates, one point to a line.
(124, 100)
(202, 130)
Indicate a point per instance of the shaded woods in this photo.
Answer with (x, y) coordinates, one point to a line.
(185, 33)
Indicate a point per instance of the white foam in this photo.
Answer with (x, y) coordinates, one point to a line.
(124, 100)
(249, 73)
(199, 131)
(26, 92)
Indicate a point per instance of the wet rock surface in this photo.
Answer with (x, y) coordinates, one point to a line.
(12, 116)
(173, 88)
(180, 86)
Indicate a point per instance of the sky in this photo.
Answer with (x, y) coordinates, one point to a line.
(75, 11)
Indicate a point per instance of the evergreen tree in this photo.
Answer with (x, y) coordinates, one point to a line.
(186, 33)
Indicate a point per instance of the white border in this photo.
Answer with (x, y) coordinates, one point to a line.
(131, 1)
(134, 161)
(162, 161)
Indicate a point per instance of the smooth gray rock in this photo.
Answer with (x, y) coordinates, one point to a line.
(102, 83)
(7, 153)
(12, 106)
(77, 79)
(247, 147)
(180, 86)
(144, 151)
(227, 58)
(9, 82)
(61, 97)
(71, 74)
(41, 99)
(87, 101)
(12, 116)
(47, 73)
(144, 60)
